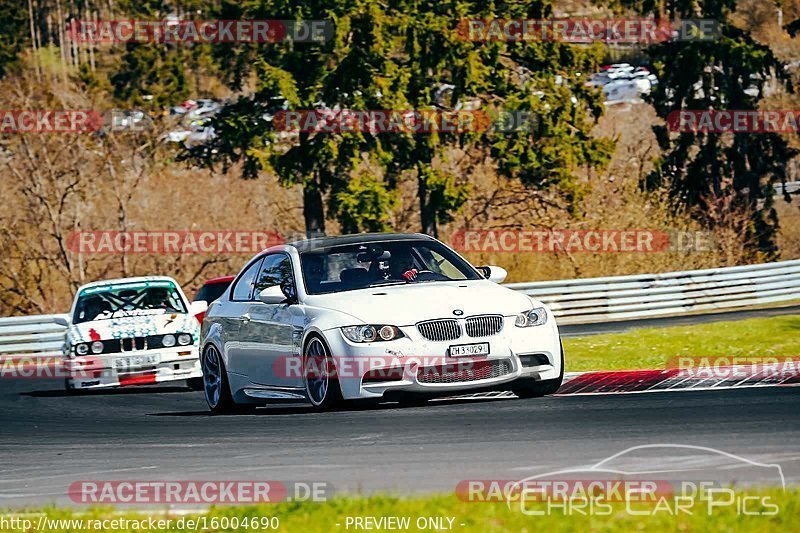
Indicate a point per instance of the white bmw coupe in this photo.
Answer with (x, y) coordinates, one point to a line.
(373, 316)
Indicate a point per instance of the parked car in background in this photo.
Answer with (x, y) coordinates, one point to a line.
(205, 108)
(624, 83)
(196, 133)
(200, 134)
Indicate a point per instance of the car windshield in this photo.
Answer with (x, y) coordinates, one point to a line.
(129, 299)
(359, 266)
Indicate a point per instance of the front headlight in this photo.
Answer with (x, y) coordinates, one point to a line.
(184, 339)
(97, 347)
(168, 341)
(82, 349)
(535, 317)
(371, 333)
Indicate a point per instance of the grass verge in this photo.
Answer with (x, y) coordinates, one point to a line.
(652, 347)
(333, 516)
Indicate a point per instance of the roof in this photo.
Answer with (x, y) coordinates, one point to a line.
(220, 279)
(118, 281)
(322, 243)
(97, 285)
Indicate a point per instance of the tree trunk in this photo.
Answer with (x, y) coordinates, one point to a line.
(427, 215)
(313, 210)
(34, 41)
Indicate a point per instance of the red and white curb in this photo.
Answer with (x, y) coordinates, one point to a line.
(629, 381)
(670, 379)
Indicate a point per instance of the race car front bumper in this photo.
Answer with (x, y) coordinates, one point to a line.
(413, 364)
(145, 367)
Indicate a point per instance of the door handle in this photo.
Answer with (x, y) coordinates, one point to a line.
(245, 318)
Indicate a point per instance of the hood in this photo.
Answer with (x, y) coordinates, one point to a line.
(134, 326)
(404, 305)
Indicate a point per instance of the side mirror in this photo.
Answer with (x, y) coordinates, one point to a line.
(61, 320)
(494, 273)
(198, 307)
(272, 295)
(288, 289)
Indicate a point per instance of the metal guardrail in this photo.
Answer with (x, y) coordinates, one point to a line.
(589, 300)
(575, 301)
(32, 336)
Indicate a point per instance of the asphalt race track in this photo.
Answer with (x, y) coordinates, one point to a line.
(50, 440)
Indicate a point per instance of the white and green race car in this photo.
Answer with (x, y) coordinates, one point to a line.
(132, 331)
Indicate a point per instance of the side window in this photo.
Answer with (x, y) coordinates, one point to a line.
(275, 270)
(244, 285)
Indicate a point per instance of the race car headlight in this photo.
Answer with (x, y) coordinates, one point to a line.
(370, 333)
(535, 317)
(168, 341)
(97, 347)
(184, 339)
(82, 349)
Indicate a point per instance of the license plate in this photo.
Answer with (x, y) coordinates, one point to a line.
(464, 350)
(137, 361)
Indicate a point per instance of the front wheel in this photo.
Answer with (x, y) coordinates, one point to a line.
(321, 382)
(530, 388)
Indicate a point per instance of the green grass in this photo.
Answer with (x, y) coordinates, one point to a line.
(324, 517)
(652, 347)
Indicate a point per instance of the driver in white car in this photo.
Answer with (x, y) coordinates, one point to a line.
(401, 265)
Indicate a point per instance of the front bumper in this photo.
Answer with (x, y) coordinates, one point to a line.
(143, 367)
(414, 364)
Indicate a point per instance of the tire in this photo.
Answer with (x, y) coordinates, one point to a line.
(319, 376)
(530, 388)
(71, 390)
(216, 388)
(196, 384)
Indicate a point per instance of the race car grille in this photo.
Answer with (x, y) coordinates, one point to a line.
(461, 372)
(440, 330)
(484, 325)
(131, 344)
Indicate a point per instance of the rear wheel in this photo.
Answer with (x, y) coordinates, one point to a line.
(530, 388)
(321, 382)
(215, 383)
